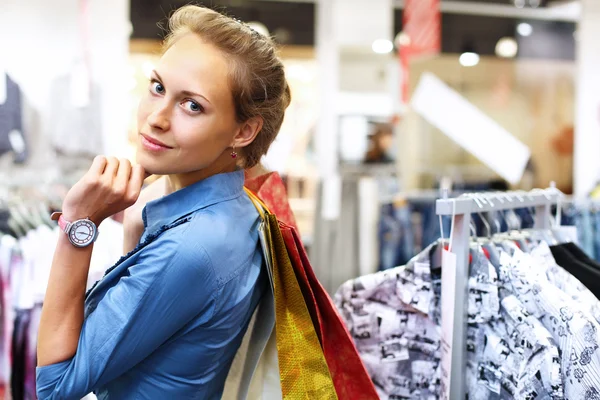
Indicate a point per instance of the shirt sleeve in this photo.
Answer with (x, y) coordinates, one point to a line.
(170, 284)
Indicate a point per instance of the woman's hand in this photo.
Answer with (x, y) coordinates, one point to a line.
(132, 221)
(110, 186)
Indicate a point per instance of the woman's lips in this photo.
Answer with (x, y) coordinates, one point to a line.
(153, 144)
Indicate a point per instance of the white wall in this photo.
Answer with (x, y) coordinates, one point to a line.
(40, 40)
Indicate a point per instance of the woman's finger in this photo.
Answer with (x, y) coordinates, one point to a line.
(98, 166)
(136, 181)
(121, 182)
(112, 166)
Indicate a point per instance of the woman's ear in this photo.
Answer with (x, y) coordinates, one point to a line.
(248, 132)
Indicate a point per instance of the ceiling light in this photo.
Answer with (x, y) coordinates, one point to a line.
(402, 39)
(519, 3)
(469, 59)
(507, 47)
(382, 46)
(534, 3)
(524, 29)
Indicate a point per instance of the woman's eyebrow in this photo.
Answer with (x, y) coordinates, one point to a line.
(184, 92)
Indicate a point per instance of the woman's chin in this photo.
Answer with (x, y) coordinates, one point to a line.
(151, 166)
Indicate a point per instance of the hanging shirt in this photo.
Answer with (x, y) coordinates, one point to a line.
(587, 271)
(11, 123)
(167, 319)
(394, 318)
(566, 282)
(575, 331)
(75, 129)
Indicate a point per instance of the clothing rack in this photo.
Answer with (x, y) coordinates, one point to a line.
(460, 209)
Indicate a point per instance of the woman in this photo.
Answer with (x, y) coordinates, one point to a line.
(166, 321)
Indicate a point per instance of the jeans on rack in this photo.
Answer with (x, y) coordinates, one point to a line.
(596, 233)
(396, 244)
(430, 225)
(585, 232)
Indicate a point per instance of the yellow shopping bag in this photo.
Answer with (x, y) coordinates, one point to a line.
(303, 371)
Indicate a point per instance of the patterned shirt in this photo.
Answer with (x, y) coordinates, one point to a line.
(566, 282)
(394, 317)
(575, 331)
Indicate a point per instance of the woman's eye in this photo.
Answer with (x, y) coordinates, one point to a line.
(192, 106)
(157, 87)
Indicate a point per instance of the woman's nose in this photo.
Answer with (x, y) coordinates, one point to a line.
(160, 119)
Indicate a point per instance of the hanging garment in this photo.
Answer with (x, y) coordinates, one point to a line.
(388, 315)
(11, 123)
(566, 282)
(19, 353)
(574, 330)
(75, 129)
(396, 236)
(579, 265)
(394, 317)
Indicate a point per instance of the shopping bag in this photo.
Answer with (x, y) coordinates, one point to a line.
(303, 371)
(350, 377)
(271, 190)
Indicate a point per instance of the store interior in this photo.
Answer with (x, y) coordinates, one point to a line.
(367, 146)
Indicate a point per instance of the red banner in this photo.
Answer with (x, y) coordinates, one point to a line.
(421, 35)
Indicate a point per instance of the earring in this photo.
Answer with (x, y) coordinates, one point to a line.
(233, 153)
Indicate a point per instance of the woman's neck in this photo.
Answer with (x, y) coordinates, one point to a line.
(180, 181)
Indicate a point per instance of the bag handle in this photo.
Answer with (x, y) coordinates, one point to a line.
(258, 203)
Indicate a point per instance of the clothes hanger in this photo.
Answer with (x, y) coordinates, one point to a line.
(513, 234)
(561, 234)
(485, 243)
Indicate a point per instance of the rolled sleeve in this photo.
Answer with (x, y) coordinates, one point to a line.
(170, 283)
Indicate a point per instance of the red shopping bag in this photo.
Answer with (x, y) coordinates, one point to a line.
(271, 190)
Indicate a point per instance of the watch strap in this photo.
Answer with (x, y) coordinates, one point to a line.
(62, 222)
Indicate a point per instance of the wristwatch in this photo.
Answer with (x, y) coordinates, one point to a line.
(81, 233)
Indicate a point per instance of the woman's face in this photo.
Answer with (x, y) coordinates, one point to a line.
(186, 121)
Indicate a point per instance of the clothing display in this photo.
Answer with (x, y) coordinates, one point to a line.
(532, 327)
(75, 129)
(11, 123)
(574, 260)
(585, 216)
(406, 228)
(25, 262)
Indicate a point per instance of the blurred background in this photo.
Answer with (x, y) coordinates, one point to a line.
(392, 101)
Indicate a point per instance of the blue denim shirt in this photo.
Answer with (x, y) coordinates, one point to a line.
(168, 318)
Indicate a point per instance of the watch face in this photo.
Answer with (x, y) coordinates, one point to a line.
(82, 233)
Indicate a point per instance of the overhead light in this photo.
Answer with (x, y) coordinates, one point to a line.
(468, 59)
(534, 3)
(507, 47)
(402, 39)
(382, 46)
(259, 27)
(524, 29)
(519, 3)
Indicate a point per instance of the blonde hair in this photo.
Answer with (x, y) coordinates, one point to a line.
(257, 78)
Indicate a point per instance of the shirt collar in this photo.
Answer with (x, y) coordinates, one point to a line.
(212, 190)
